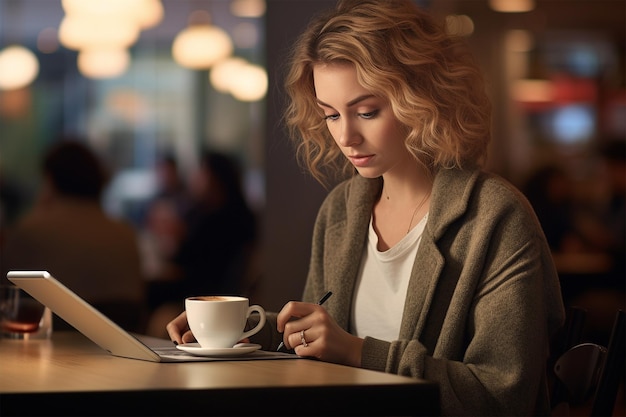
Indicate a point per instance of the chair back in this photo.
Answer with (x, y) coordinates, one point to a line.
(569, 336)
(579, 371)
(612, 371)
(588, 370)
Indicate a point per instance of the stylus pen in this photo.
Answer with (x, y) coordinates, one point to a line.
(320, 302)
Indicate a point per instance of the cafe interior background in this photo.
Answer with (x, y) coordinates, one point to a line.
(554, 68)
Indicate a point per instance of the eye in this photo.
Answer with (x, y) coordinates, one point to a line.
(330, 117)
(369, 115)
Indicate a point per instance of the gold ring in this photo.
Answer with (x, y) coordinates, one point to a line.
(304, 343)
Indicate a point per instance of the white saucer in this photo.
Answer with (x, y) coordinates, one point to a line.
(237, 350)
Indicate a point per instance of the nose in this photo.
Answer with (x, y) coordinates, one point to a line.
(349, 135)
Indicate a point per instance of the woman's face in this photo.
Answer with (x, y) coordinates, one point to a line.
(362, 125)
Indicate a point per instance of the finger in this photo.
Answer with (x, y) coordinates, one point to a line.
(294, 339)
(302, 350)
(301, 338)
(284, 315)
(305, 340)
(176, 327)
(188, 337)
(292, 309)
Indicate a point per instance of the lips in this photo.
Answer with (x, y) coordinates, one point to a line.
(360, 160)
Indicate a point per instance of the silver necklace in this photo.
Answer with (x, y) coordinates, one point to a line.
(419, 206)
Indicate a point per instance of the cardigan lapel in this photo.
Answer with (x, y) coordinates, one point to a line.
(352, 238)
(450, 196)
(422, 285)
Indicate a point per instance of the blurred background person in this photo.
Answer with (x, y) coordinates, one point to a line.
(68, 234)
(12, 201)
(162, 224)
(171, 184)
(603, 291)
(217, 249)
(585, 228)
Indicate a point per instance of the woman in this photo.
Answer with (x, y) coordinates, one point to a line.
(438, 269)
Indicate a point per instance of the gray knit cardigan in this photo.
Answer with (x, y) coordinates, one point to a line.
(483, 300)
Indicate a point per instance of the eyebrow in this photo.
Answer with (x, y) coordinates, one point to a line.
(350, 103)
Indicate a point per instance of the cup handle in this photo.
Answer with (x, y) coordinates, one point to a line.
(259, 325)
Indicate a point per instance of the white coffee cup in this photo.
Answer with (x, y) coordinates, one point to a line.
(218, 321)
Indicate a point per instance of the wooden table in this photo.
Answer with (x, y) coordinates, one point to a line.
(70, 375)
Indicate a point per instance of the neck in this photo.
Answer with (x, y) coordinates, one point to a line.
(407, 192)
(407, 200)
(406, 183)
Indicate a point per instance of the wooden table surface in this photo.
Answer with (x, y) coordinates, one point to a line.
(70, 375)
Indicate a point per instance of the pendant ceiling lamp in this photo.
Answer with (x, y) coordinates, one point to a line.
(512, 6)
(18, 67)
(248, 8)
(89, 31)
(201, 44)
(103, 62)
(145, 13)
(102, 31)
(243, 80)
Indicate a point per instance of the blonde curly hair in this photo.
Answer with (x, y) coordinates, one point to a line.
(403, 55)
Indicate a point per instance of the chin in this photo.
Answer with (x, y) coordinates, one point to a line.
(368, 173)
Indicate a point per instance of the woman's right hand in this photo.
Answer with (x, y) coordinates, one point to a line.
(178, 329)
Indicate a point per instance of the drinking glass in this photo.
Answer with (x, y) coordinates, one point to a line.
(22, 316)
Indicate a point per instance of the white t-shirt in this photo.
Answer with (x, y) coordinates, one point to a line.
(382, 284)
